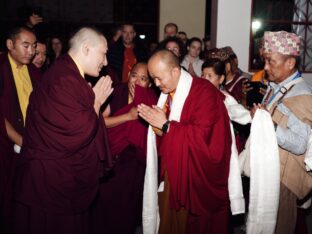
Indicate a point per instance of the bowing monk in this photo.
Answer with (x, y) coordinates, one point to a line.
(65, 148)
(195, 150)
(127, 135)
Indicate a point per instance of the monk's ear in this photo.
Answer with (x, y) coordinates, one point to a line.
(9, 44)
(85, 49)
(176, 72)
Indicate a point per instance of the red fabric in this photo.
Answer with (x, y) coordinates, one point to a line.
(196, 152)
(9, 109)
(129, 61)
(236, 91)
(212, 223)
(132, 132)
(65, 149)
(118, 208)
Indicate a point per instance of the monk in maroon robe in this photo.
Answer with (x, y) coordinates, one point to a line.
(65, 149)
(195, 149)
(21, 44)
(120, 209)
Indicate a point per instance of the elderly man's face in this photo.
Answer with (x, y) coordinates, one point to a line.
(23, 48)
(278, 67)
(165, 77)
(139, 76)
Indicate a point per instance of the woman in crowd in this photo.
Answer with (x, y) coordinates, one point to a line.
(191, 60)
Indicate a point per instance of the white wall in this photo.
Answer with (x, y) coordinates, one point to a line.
(189, 15)
(233, 27)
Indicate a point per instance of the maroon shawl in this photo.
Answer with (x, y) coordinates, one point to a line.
(196, 151)
(10, 109)
(132, 132)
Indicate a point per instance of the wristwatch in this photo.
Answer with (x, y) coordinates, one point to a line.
(165, 127)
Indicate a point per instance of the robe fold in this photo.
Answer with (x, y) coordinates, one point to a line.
(118, 207)
(10, 110)
(131, 132)
(65, 149)
(196, 152)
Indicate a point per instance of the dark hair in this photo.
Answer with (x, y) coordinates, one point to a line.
(206, 38)
(182, 32)
(172, 39)
(194, 39)
(128, 23)
(217, 65)
(172, 25)
(15, 32)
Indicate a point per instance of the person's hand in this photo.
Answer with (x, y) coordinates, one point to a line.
(154, 115)
(191, 69)
(246, 87)
(131, 87)
(34, 20)
(102, 90)
(255, 108)
(117, 35)
(133, 113)
(263, 91)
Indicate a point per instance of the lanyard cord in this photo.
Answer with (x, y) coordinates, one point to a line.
(284, 89)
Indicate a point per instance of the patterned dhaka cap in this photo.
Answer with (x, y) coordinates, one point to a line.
(282, 42)
(228, 50)
(220, 54)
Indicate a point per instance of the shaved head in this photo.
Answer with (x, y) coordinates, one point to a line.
(166, 57)
(88, 48)
(85, 35)
(165, 70)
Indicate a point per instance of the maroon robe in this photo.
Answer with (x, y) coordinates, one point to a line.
(65, 152)
(234, 87)
(132, 132)
(196, 155)
(9, 109)
(120, 209)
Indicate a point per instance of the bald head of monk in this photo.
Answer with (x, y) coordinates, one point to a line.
(165, 70)
(88, 47)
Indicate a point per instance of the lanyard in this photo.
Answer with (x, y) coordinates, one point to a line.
(283, 89)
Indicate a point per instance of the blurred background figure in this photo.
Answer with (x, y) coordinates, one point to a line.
(191, 60)
(55, 49)
(183, 37)
(170, 30)
(124, 54)
(175, 45)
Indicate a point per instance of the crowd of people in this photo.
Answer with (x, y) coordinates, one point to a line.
(109, 136)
